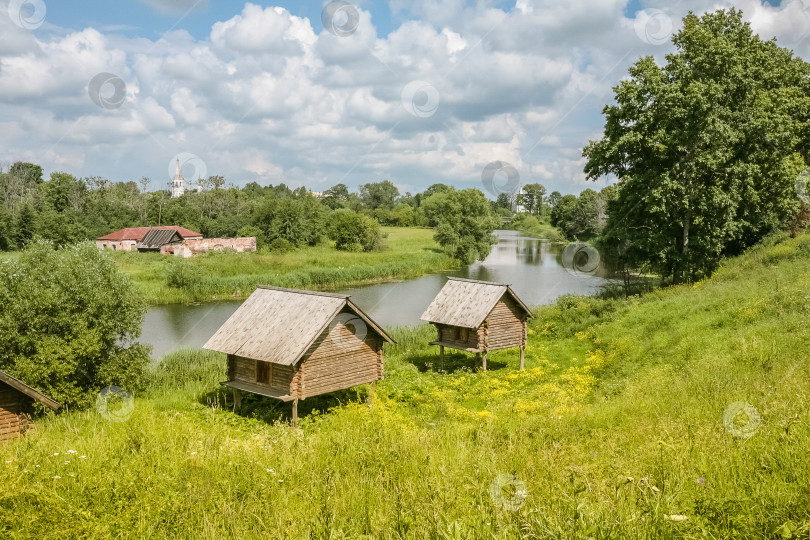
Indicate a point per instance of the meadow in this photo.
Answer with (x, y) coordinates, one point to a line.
(682, 413)
(410, 252)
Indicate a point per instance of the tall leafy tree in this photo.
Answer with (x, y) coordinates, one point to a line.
(706, 148)
(532, 198)
(464, 223)
(379, 195)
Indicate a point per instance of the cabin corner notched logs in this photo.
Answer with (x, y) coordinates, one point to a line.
(478, 316)
(291, 344)
(16, 399)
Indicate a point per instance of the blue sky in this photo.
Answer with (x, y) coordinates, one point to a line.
(421, 91)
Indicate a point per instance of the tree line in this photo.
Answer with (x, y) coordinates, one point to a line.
(65, 210)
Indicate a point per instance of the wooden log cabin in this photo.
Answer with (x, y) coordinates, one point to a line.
(478, 316)
(16, 401)
(290, 344)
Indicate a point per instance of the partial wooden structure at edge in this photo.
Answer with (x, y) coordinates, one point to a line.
(477, 317)
(291, 344)
(16, 399)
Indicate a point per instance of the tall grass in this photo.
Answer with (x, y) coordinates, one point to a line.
(412, 253)
(615, 430)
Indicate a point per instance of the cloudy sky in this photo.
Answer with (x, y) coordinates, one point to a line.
(315, 93)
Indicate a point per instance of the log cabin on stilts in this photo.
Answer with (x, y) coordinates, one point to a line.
(291, 344)
(477, 317)
(16, 400)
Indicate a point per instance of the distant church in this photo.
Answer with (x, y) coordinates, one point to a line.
(178, 183)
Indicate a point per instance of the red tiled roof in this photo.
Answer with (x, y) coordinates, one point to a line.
(137, 233)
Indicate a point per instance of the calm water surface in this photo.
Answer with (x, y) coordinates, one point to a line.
(533, 267)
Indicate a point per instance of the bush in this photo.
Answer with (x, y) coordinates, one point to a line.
(281, 245)
(355, 232)
(183, 274)
(69, 322)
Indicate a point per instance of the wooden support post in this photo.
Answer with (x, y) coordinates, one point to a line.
(370, 398)
(441, 354)
(484, 357)
(295, 413)
(522, 349)
(237, 399)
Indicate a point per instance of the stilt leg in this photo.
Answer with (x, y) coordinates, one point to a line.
(370, 397)
(441, 354)
(295, 413)
(522, 350)
(484, 357)
(237, 399)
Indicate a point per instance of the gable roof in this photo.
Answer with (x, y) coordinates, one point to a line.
(137, 233)
(156, 238)
(467, 302)
(279, 325)
(27, 390)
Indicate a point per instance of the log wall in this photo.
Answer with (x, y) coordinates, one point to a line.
(340, 358)
(504, 327)
(244, 369)
(457, 336)
(14, 412)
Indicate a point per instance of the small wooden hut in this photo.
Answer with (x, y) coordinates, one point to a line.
(16, 399)
(478, 316)
(290, 344)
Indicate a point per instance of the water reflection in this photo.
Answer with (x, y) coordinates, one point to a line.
(533, 268)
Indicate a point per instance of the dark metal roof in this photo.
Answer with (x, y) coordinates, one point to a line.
(157, 238)
(27, 390)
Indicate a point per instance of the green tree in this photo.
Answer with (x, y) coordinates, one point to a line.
(464, 223)
(336, 196)
(28, 172)
(25, 225)
(532, 198)
(706, 148)
(352, 231)
(378, 195)
(554, 198)
(69, 322)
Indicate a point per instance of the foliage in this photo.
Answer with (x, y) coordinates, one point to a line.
(464, 223)
(69, 322)
(533, 198)
(378, 195)
(707, 147)
(355, 232)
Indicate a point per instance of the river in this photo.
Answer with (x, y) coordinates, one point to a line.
(538, 271)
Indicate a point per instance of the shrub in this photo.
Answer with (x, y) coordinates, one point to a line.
(69, 322)
(183, 274)
(355, 232)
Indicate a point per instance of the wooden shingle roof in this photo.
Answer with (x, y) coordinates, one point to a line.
(23, 388)
(137, 233)
(157, 238)
(279, 325)
(467, 302)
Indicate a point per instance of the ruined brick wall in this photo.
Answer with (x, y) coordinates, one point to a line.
(116, 245)
(191, 247)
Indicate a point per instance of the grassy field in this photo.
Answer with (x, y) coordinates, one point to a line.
(680, 414)
(411, 252)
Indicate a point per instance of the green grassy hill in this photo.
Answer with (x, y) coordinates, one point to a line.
(616, 429)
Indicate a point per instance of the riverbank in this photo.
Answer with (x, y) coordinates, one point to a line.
(410, 252)
(622, 425)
